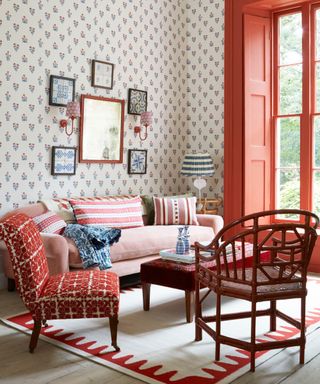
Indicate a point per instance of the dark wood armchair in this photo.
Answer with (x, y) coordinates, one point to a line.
(277, 271)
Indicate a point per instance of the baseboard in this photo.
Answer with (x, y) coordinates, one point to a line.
(3, 281)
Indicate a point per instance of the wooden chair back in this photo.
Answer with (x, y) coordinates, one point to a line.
(280, 251)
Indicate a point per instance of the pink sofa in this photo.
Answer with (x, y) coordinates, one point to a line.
(136, 245)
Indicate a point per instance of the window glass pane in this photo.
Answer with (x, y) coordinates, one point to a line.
(317, 81)
(288, 194)
(290, 39)
(290, 84)
(288, 142)
(316, 193)
(317, 34)
(316, 130)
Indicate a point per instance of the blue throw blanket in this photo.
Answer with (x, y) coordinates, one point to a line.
(93, 243)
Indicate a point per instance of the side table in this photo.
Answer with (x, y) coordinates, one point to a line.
(209, 206)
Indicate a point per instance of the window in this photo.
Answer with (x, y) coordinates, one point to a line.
(296, 109)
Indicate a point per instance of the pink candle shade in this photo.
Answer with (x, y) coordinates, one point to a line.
(146, 118)
(73, 109)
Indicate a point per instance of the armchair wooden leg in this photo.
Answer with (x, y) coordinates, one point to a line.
(11, 285)
(113, 321)
(253, 337)
(35, 335)
(303, 329)
(218, 326)
(273, 317)
(198, 313)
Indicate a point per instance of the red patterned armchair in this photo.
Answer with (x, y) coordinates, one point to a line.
(72, 295)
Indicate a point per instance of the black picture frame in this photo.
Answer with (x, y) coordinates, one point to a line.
(102, 74)
(61, 90)
(137, 101)
(137, 161)
(63, 161)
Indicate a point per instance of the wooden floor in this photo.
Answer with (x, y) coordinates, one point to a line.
(52, 365)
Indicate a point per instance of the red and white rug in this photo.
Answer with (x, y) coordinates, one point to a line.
(158, 346)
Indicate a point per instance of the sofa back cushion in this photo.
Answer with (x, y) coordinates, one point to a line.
(122, 213)
(49, 222)
(169, 211)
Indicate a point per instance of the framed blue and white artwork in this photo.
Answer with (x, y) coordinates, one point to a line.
(63, 161)
(137, 161)
(62, 90)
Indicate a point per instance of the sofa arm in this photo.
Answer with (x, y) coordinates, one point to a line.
(213, 221)
(57, 253)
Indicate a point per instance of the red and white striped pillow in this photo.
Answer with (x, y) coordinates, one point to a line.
(169, 211)
(49, 222)
(122, 213)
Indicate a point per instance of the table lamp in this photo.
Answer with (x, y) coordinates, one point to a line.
(198, 165)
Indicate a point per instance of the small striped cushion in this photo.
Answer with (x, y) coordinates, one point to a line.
(170, 211)
(122, 213)
(49, 222)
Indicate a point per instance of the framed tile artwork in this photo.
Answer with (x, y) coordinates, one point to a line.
(63, 161)
(102, 74)
(137, 101)
(62, 90)
(137, 161)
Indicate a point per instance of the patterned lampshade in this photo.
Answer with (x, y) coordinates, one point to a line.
(146, 118)
(199, 164)
(73, 109)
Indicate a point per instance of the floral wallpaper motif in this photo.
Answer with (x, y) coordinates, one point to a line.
(145, 41)
(205, 87)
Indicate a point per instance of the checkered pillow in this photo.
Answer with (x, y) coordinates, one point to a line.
(49, 222)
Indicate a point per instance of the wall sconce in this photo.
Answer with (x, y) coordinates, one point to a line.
(146, 121)
(72, 112)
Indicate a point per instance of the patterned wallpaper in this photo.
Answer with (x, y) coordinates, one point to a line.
(205, 86)
(145, 41)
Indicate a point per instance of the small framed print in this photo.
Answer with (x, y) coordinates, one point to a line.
(63, 161)
(137, 162)
(102, 74)
(62, 90)
(137, 101)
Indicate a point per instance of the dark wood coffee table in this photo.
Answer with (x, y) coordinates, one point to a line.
(173, 275)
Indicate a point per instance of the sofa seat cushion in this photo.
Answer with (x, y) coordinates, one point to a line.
(148, 240)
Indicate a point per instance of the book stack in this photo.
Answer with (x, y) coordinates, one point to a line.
(188, 258)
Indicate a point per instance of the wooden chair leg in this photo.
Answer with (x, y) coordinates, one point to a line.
(253, 336)
(198, 312)
(113, 321)
(146, 295)
(303, 329)
(273, 317)
(218, 326)
(11, 285)
(35, 335)
(189, 304)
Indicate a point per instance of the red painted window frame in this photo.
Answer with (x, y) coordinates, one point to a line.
(308, 101)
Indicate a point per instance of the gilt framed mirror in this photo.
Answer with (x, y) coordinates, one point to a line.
(101, 130)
